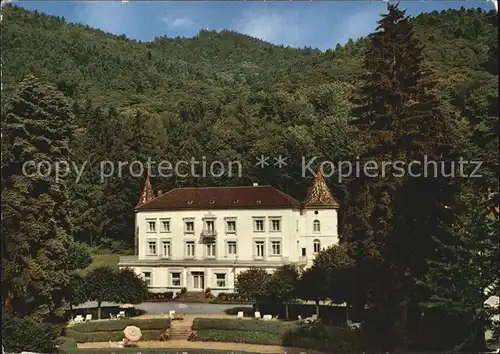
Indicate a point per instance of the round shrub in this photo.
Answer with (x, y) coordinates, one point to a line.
(26, 334)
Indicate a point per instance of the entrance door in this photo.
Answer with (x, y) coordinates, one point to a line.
(198, 280)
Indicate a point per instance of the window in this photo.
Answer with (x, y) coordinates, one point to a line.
(176, 278)
(211, 249)
(258, 225)
(303, 251)
(230, 226)
(220, 280)
(165, 248)
(317, 246)
(275, 225)
(147, 277)
(189, 227)
(316, 226)
(231, 248)
(165, 225)
(190, 249)
(259, 249)
(210, 226)
(152, 248)
(151, 226)
(276, 248)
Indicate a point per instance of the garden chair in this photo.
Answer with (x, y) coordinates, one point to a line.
(112, 316)
(240, 314)
(78, 319)
(299, 318)
(121, 314)
(267, 317)
(88, 318)
(171, 314)
(353, 325)
(257, 315)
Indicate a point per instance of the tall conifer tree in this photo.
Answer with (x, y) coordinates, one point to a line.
(35, 224)
(395, 218)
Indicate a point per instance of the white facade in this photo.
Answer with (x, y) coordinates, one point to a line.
(199, 249)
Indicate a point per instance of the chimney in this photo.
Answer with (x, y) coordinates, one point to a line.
(255, 184)
(160, 192)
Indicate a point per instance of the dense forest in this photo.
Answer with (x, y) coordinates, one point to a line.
(416, 88)
(222, 95)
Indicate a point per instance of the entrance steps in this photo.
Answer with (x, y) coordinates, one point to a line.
(179, 331)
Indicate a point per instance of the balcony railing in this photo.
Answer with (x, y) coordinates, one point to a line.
(208, 233)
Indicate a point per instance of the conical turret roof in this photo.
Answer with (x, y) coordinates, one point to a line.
(319, 195)
(147, 193)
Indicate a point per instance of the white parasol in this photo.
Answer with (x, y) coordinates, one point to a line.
(182, 306)
(132, 333)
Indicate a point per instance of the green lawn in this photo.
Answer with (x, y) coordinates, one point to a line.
(102, 259)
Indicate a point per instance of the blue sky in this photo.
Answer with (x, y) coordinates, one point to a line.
(316, 24)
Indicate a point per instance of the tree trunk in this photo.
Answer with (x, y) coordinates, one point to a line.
(71, 310)
(98, 310)
(317, 308)
(286, 310)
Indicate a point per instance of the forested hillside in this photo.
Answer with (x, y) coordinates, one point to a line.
(418, 253)
(222, 95)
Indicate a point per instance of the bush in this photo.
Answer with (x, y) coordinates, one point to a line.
(25, 334)
(208, 293)
(119, 325)
(183, 291)
(89, 337)
(159, 297)
(247, 311)
(66, 344)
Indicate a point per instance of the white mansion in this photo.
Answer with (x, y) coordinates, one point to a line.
(203, 237)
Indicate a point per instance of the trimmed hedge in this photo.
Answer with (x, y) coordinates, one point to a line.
(161, 297)
(89, 337)
(238, 336)
(274, 327)
(119, 325)
(290, 334)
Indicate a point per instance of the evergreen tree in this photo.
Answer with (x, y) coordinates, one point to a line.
(395, 218)
(463, 278)
(35, 227)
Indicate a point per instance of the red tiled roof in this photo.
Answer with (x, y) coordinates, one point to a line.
(258, 197)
